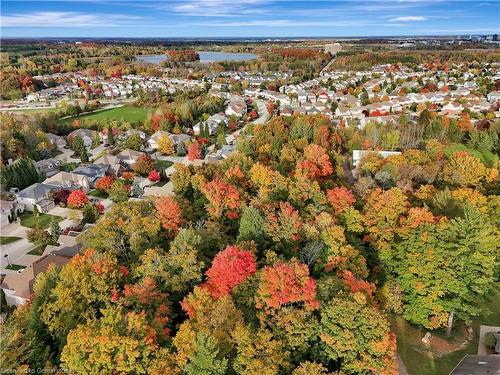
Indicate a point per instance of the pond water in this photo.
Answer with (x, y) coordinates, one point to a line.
(205, 57)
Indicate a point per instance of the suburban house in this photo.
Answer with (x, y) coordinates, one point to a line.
(92, 171)
(69, 181)
(130, 132)
(47, 167)
(7, 212)
(452, 108)
(36, 195)
(357, 155)
(213, 123)
(56, 140)
(18, 286)
(493, 96)
(113, 165)
(128, 157)
(237, 106)
(177, 139)
(86, 135)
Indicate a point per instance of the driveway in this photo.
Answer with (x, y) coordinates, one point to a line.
(17, 251)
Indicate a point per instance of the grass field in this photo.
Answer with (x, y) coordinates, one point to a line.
(43, 220)
(426, 363)
(4, 240)
(488, 158)
(130, 114)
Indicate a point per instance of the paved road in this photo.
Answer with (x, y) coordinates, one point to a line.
(264, 114)
(327, 66)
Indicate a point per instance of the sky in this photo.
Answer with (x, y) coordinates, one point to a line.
(246, 18)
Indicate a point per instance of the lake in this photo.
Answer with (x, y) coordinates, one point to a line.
(205, 57)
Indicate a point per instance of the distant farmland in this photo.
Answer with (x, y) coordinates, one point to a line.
(130, 114)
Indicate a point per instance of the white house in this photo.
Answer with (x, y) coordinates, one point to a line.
(357, 155)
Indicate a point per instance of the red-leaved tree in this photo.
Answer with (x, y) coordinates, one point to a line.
(286, 283)
(229, 268)
(340, 198)
(154, 176)
(104, 183)
(317, 162)
(77, 199)
(222, 198)
(194, 151)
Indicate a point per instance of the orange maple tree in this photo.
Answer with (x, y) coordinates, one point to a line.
(229, 268)
(77, 199)
(286, 283)
(169, 213)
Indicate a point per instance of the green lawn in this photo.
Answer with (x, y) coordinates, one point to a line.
(43, 220)
(130, 114)
(15, 267)
(488, 158)
(98, 194)
(37, 250)
(425, 363)
(4, 240)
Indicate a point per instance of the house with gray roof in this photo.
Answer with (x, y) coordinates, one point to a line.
(36, 195)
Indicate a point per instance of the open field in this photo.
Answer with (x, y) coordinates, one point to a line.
(130, 114)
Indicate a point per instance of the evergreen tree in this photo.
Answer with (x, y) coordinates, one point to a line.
(111, 137)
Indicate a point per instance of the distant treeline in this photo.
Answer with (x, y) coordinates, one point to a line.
(362, 61)
(185, 55)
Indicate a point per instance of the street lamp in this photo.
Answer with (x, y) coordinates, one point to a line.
(7, 257)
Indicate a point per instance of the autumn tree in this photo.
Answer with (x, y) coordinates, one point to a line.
(143, 164)
(154, 176)
(229, 268)
(169, 213)
(358, 335)
(463, 169)
(179, 268)
(258, 352)
(283, 223)
(126, 230)
(77, 199)
(316, 163)
(119, 341)
(286, 283)
(119, 191)
(103, 184)
(340, 198)
(382, 213)
(215, 316)
(84, 286)
(165, 145)
(194, 151)
(223, 198)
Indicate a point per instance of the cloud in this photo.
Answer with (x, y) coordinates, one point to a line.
(407, 19)
(216, 8)
(64, 19)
